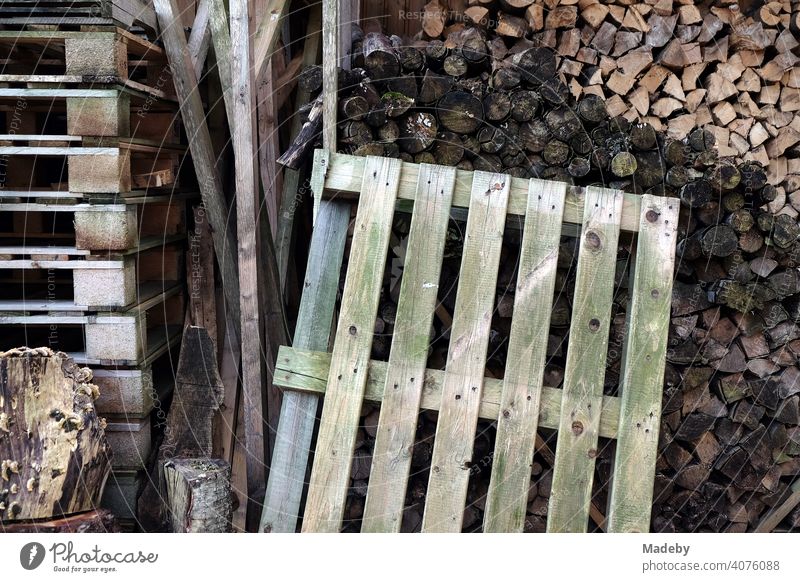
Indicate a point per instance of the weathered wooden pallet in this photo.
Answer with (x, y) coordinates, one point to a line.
(113, 111)
(126, 13)
(88, 227)
(135, 337)
(107, 56)
(519, 403)
(135, 391)
(105, 168)
(74, 281)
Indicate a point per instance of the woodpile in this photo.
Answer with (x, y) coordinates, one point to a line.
(643, 117)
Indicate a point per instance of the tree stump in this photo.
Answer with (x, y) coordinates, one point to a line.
(53, 450)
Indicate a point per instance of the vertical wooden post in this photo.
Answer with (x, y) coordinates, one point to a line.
(245, 176)
(298, 411)
(291, 178)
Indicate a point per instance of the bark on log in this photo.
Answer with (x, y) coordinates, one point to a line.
(54, 455)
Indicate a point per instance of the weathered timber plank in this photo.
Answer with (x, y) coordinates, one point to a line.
(522, 386)
(242, 136)
(200, 37)
(402, 393)
(266, 36)
(584, 373)
(345, 173)
(202, 152)
(775, 517)
(644, 357)
(291, 196)
(330, 475)
(312, 332)
(332, 54)
(307, 372)
(221, 39)
(313, 328)
(463, 380)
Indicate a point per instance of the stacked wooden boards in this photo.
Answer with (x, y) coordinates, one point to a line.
(77, 13)
(93, 221)
(580, 412)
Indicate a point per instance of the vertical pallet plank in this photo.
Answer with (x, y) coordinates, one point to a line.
(330, 475)
(643, 367)
(576, 447)
(402, 393)
(299, 411)
(522, 386)
(466, 359)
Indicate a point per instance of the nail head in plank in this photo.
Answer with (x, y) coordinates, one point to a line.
(330, 475)
(644, 358)
(584, 374)
(522, 386)
(397, 424)
(463, 382)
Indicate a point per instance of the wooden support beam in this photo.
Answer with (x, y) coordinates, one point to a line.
(522, 385)
(306, 371)
(266, 150)
(200, 274)
(200, 37)
(248, 233)
(202, 151)
(221, 39)
(266, 36)
(576, 448)
(644, 357)
(343, 174)
(347, 379)
(397, 426)
(466, 358)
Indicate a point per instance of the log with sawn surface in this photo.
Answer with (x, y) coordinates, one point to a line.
(198, 495)
(53, 450)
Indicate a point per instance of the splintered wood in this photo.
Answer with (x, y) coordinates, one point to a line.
(461, 392)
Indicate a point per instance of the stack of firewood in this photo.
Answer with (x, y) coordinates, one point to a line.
(678, 65)
(490, 100)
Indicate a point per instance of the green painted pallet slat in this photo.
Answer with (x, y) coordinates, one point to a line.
(519, 403)
(397, 424)
(466, 358)
(330, 475)
(584, 373)
(507, 499)
(644, 358)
